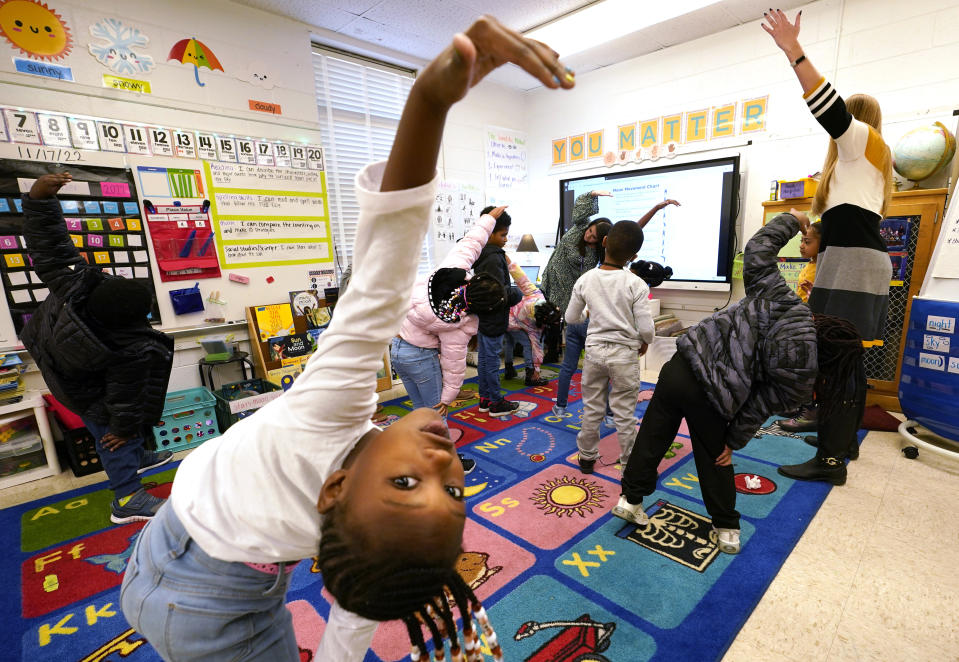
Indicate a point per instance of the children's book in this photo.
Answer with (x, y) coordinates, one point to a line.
(274, 320)
(294, 345)
(285, 376)
(307, 304)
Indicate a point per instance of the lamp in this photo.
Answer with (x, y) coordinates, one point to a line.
(527, 245)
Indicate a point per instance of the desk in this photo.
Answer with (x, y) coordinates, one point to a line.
(239, 357)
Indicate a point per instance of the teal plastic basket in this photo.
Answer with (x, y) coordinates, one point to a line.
(189, 419)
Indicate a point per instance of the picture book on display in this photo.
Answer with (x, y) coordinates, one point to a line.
(309, 305)
(291, 346)
(274, 320)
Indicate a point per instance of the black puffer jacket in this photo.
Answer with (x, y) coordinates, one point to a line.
(113, 377)
(758, 357)
(492, 260)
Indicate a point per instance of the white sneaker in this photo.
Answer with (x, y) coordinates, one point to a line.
(726, 539)
(631, 512)
(559, 411)
(609, 421)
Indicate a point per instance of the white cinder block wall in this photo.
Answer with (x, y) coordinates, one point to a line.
(903, 53)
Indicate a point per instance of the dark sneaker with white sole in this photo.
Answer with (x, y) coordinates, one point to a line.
(502, 407)
(154, 459)
(468, 463)
(140, 506)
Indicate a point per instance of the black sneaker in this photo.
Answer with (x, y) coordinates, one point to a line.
(484, 404)
(154, 459)
(509, 373)
(539, 381)
(586, 466)
(502, 407)
(140, 506)
(468, 464)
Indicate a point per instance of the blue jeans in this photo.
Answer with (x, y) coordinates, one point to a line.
(575, 342)
(191, 606)
(120, 464)
(419, 368)
(512, 337)
(488, 348)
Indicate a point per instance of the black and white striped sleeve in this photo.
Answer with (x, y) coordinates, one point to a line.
(828, 108)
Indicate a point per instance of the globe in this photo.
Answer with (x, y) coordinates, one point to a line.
(923, 152)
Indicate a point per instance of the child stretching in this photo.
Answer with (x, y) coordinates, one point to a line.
(429, 354)
(208, 576)
(493, 325)
(620, 325)
(526, 321)
(730, 373)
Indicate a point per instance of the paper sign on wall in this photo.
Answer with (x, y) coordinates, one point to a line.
(137, 140)
(205, 146)
(246, 151)
(298, 156)
(111, 137)
(83, 134)
(264, 153)
(282, 153)
(184, 144)
(226, 149)
(161, 142)
(54, 130)
(22, 126)
(314, 157)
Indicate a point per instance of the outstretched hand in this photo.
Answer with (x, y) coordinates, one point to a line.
(601, 194)
(668, 201)
(784, 33)
(804, 221)
(497, 211)
(485, 46)
(47, 186)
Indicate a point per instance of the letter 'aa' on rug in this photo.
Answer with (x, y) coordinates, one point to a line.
(562, 579)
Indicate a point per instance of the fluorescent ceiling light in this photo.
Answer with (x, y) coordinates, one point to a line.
(608, 20)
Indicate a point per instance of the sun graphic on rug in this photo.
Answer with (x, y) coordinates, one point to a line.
(34, 28)
(565, 496)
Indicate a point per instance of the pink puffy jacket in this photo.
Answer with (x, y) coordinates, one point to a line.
(424, 329)
(522, 316)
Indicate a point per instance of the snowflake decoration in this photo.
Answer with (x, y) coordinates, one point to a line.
(118, 52)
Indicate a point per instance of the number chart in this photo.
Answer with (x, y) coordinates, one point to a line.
(101, 218)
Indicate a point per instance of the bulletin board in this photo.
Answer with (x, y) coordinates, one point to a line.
(247, 217)
(102, 218)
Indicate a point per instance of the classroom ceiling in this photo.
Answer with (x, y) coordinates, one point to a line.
(421, 28)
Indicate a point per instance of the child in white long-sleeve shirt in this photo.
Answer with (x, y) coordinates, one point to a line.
(620, 328)
(308, 474)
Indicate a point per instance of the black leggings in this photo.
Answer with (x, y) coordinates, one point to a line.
(679, 395)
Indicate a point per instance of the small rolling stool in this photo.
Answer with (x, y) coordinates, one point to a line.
(238, 357)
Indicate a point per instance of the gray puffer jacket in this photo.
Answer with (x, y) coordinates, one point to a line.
(758, 357)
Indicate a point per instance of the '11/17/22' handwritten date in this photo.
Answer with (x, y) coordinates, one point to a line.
(55, 154)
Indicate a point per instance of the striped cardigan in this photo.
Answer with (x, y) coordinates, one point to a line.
(853, 272)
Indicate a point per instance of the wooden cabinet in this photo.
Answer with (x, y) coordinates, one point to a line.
(922, 209)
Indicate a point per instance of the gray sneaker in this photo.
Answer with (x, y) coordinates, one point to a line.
(154, 459)
(141, 506)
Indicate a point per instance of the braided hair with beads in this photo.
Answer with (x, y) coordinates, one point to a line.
(418, 587)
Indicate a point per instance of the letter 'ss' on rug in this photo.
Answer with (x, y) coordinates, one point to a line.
(562, 579)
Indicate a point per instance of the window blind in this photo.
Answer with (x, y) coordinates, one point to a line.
(359, 104)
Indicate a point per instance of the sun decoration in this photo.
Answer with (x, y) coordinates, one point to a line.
(565, 496)
(35, 29)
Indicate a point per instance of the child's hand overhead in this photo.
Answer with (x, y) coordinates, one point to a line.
(803, 220)
(486, 45)
(47, 186)
(784, 33)
(495, 213)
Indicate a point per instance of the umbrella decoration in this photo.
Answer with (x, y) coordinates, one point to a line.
(195, 52)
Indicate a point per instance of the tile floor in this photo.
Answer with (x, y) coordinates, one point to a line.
(872, 579)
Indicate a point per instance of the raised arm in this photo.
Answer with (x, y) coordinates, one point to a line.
(338, 384)
(55, 259)
(761, 275)
(522, 280)
(468, 248)
(585, 206)
(655, 208)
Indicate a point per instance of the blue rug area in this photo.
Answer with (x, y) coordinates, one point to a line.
(563, 580)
